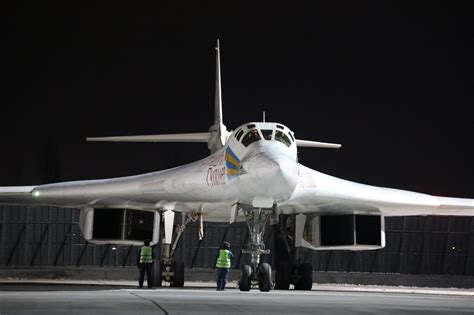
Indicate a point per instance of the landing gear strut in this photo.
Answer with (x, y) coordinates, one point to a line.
(256, 272)
(168, 268)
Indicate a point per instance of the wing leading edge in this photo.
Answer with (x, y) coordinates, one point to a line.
(318, 192)
(16, 194)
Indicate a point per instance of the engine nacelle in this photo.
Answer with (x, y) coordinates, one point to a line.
(119, 226)
(340, 232)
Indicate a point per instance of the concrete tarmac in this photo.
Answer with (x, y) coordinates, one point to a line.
(50, 298)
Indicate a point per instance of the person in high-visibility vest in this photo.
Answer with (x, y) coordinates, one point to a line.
(145, 264)
(223, 264)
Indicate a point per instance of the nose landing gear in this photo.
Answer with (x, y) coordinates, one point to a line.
(257, 273)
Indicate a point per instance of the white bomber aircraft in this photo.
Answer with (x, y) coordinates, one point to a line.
(252, 175)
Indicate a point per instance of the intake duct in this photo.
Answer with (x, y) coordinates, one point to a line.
(119, 226)
(341, 232)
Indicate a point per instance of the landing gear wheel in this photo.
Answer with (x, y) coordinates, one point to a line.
(157, 268)
(245, 278)
(305, 277)
(178, 277)
(282, 277)
(264, 277)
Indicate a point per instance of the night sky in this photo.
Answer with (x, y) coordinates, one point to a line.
(393, 82)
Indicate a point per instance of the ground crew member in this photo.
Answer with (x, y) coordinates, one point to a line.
(223, 264)
(145, 264)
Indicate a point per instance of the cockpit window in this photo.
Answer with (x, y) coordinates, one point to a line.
(291, 136)
(267, 133)
(239, 135)
(280, 136)
(250, 137)
(280, 126)
(251, 126)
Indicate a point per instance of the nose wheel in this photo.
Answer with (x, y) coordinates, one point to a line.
(261, 277)
(265, 277)
(245, 282)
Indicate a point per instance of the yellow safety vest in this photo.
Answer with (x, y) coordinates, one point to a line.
(223, 261)
(146, 255)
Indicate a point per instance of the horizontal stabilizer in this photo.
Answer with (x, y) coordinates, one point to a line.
(316, 144)
(180, 137)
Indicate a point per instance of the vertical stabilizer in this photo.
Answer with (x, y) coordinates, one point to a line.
(218, 130)
(218, 97)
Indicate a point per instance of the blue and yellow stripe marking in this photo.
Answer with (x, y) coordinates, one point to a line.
(232, 162)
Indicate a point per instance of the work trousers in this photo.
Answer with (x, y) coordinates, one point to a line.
(222, 274)
(149, 277)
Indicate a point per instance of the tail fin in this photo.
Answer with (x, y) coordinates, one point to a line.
(219, 133)
(218, 119)
(215, 138)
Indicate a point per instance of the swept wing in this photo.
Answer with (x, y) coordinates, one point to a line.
(321, 193)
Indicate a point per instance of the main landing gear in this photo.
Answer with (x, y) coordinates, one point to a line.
(256, 273)
(168, 268)
(289, 270)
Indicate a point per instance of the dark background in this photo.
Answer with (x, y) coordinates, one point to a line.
(391, 81)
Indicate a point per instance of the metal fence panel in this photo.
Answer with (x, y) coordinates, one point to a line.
(51, 236)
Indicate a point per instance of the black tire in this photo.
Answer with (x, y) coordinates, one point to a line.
(157, 268)
(305, 279)
(282, 277)
(177, 280)
(245, 278)
(295, 274)
(264, 277)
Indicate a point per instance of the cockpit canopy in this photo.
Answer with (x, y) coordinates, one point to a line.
(253, 132)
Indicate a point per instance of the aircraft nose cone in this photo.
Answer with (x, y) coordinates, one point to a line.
(278, 172)
(260, 166)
